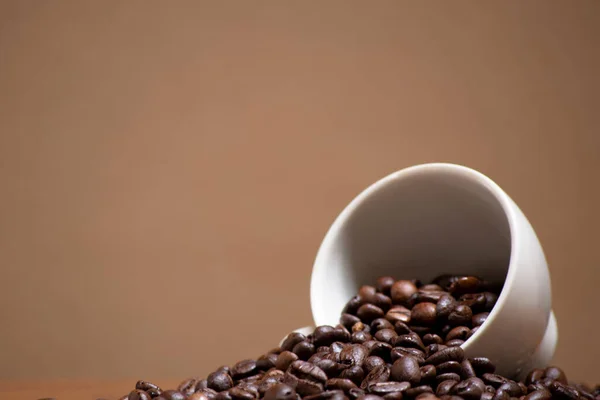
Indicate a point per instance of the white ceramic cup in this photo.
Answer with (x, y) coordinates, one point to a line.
(435, 219)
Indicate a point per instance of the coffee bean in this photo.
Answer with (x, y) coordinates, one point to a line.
(482, 365)
(461, 315)
(138, 395)
(490, 300)
(400, 352)
(188, 386)
(224, 395)
(493, 380)
(398, 314)
(460, 332)
(428, 374)
(382, 301)
(357, 393)
(434, 348)
(384, 284)
(426, 396)
(445, 387)
(467, 370)
(473, 332)
(469, 389)
(432, 338)
(173, 395)
(449, 376)
(465, 284)
(401, 291)
(348, 320)
(280, 392)
(449, 366)
(368, 312)
(304, 350)
(406, 369)
(419, 390)
(369, 397)
(304, 387)
(487, 396)
(219, 381)
(336, 348)
(411, 340)
(455, 343)
(386, 335)
(243, 369)
(324, 335)
(366, 292)
(479, 319)
(200, 385)
(372, 362)
(291, 340)
(511, 387)
(360, 337)
(352, 305)
(562, 391)
(426, 296)
(447, 354)
(450, 397)
(327, 395)
(284, 360)
(306, 370)
(401, 328)
(359, 326)
(355, 373)
(267, 361)
(432, 287)
(240, 393)
(199, 396)
(353, 354)
(421, 330)
(378, 349)
(539, 395)
(330, 367)
(378, 374)
(423, 314)
(381, 323)
(556, 374)
(149, 387)
(383, 388)
(340, 384)
(475, 301)
(341, 334)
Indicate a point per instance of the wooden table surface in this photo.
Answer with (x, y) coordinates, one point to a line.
(73, 389)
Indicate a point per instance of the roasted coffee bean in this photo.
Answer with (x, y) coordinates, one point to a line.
(487, 396)
(359, 326)
(336, 348)
(392, 396)
(324, 335)
(378, 349)
(563, 392)
(328, 395)
(475, 301)
(489, 388)
(356, 374)
(469, 389)
(401, 328)
(224, 395)
(451, 397)
(432, 287)
(490, 300)
(398, 314)
(539, 395)
(306, 370)
(445, 330)
(372, 362)
(419, 390)
(427, 396)
(464, 285)
(423, 314)
(384, 284)
(426, 296)
(340, 384)
(381, 323)
(406, 369)
(348, 320)
(493, 380)
(511, 387)
(447, 354)
(431, 338)
(421, 330)
(138, 395)
(449, 366)
(341, 334)
(444, 306)
(460, 332)
(267, 361)
(366, 292)
(304, 350)
(241, 393)
(461, 315)
(383, 388)
(455, 343)
(284, 360)
(368, 312)
(188, 386)
(428, 374)
(219, 381)
(482, 365)
(199, 396)
(360, 337)
(411, 340)
(355, 394)
(445, 387)
(369, 397)
(173, 395)
(434, 348)
(400, 352)
(449, 376)
(149, 387)
(304, 387)
(386, 335)
(201, 385)
(556, 374)
(467, 370)
(378, 374)
(382, 301)
(472, 332)
(353, 354)
(280, 392)
(401, 291)
(479, 319)
(330, 367)
(523, 387)
(291, 340)
(243, 369)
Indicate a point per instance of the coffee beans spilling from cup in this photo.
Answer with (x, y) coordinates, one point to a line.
(396, 340)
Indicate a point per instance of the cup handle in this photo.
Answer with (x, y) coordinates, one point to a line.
(306, 330)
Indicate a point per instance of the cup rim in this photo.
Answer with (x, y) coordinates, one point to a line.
(507, 205)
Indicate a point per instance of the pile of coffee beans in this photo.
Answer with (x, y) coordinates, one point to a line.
(396, 340)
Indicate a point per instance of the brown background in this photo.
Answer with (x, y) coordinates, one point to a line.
(168, 169)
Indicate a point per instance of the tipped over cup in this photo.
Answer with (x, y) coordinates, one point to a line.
(435, 219)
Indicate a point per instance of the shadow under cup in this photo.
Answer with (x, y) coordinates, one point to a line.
(411, 226)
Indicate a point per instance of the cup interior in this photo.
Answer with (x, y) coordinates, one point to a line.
(417, 223)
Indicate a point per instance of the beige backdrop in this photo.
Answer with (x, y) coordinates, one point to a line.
(168, 169)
